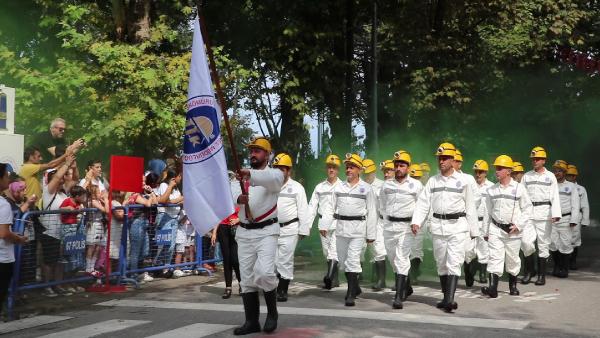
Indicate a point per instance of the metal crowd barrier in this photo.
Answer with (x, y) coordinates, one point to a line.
(145, 241)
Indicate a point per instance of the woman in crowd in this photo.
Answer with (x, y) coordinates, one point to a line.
(95, 234)
(168, 217)
(116, 228)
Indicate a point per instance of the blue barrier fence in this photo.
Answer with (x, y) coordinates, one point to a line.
(151, 239)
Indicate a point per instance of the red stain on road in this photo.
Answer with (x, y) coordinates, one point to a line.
(294, 333)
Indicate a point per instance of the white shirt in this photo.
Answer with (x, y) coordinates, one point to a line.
(543, 188)
(321, 203)
(265, 185)
(52, 221)
(175, 193)
(507, 204)
(357, 200)
(292, 204)
(7, 249)
(482, 209)
(584, 205)
(398, 200)
(569, 203)
(448, 195)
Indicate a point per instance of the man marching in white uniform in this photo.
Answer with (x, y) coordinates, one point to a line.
(561, 244)
(481, 169)
(450, 197)
(584, 206)
(320, 204)
(543, 191)
(509, 210)
(355, 216)
(292, 214)
(396, 204)
(257, 237)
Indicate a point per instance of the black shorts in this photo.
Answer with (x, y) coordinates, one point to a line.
(50, 249)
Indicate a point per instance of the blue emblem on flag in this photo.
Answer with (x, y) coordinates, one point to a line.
(202, 135)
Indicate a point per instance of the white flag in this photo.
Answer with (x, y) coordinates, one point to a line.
(205, 180)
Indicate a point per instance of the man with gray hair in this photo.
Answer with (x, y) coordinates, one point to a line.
(48, 140)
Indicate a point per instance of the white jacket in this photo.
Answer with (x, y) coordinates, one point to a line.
(448, 195)
(357, 200)
(584, 205)
(506, 205)
(569, 203)
(543, 188)
(292, 204)
(321, 203)
(398, 200)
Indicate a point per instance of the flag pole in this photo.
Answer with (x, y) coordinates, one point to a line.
(221, 98)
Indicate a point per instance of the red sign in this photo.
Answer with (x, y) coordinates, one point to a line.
(126, 173)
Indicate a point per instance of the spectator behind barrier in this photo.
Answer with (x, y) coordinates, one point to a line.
(71, 226)
(48, 140)
(93, 176)
(96, 229)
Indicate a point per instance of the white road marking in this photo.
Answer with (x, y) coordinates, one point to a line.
(28, 323)
(371, 315)
(96, 329)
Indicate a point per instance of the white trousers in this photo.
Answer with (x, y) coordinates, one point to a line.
(543, 229)
(576, 235)
(476, 248)
(504, 252)
(348, 251)
(398, 246)
(528, 240)
(328, 245)
(449, 252)
(257, 263)
(378, 247)
(562, 239)
(417, 248)
(284, 265)
(470, 253)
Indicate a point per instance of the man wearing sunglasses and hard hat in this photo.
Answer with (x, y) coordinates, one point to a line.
(509, 210)
(481, 250)
(320, 204)
(355, 215)
(450, 198)
(396, 204)
(257, 237)
(293, 218)
(378, 247)
(543, 190)
(572, 174)
(561, 244)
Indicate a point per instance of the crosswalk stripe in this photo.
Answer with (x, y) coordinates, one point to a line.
(358, 314)
(27, 323)
(95, 329)
(197, 330)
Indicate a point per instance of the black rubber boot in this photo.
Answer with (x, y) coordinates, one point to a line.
(272, 314)
(393, 288)
(352, 278)
(444, 285)
(563, 265)
(483, 273)
(512, 285)
(400, 285)
(541, 274)
(492, 289)
(336, 274)
(469, 278)
(324, 285)
(450, 290)
(408, 290)
(331, 271)
(573, 260)
(415, 270)
(282, 289)
(556, 261)
(252, 312)
(379, 267)
(529, 269)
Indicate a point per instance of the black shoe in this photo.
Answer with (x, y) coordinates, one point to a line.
(332, 268)
(227, 293)
(272, 314)
(483, 273)
(573, 260)
(252, 313)
(379, 267)
(450, 290)
(393, 288)
(282, 290)
(444, 284)
(512, 285)
(469, 278)
(492, 289)
(336, 278)
(352, 278)
(556, 261)
(415, 270)
(563, 265)
(324, 285)
(529, 269)
(541, 278)
(400, 285)
(408, 290)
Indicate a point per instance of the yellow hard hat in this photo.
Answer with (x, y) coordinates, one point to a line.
(356, 160)
(481, 165)
(561, 164)
(425, 167)
(333, 160)
(518, 167)
(369, 166)
(538, 152)
(572, 170)
(283, 160)
(504, 161)
(402, 155)
(386, 165)
(415, 171)
(458, 156)
(260, 142)
(446, 149)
